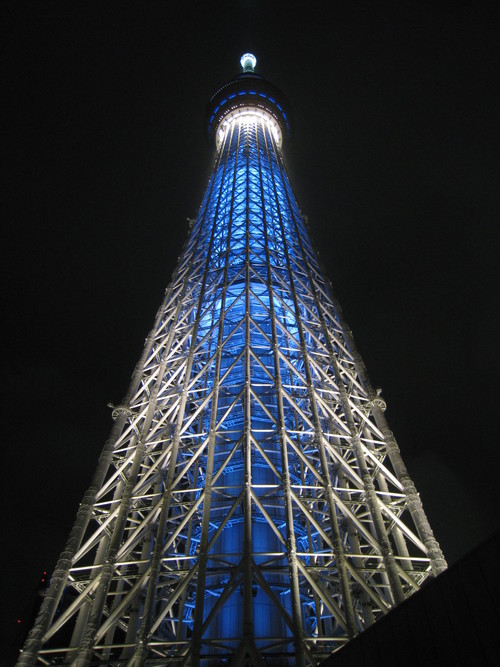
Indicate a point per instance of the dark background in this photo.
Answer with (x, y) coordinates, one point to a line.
(393, 158)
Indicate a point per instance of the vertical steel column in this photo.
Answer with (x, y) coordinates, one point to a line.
(325, 473)
(373, 503)
(141, 647)
(290, 529)
(33, 644)
(247, 428)
(414, 502)
(203, 553)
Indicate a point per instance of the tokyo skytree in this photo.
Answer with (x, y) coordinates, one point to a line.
(251, 506)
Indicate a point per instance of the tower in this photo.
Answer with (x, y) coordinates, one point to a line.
(251, 506)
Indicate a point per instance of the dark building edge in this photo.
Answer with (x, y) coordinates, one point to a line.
(453, 620)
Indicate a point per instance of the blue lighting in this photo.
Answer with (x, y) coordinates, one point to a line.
(248, 216)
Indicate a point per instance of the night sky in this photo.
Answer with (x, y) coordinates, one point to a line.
(393, 157)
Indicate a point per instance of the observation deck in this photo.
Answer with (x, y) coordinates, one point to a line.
(246, 93)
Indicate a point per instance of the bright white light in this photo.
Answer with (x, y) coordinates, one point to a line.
(248, 62)
(247, 116)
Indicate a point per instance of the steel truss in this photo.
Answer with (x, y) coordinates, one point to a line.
(251, 505)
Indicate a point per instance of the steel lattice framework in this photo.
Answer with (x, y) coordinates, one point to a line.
(251, 505)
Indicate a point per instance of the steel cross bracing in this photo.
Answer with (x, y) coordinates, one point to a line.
(251, 505)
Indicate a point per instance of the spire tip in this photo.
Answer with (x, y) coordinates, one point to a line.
(248, 62)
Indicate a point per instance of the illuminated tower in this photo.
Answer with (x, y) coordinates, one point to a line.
(251, 506)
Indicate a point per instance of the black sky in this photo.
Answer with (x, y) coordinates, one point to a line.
(394, 158)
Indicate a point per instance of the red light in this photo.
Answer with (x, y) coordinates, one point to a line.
(18, 620)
